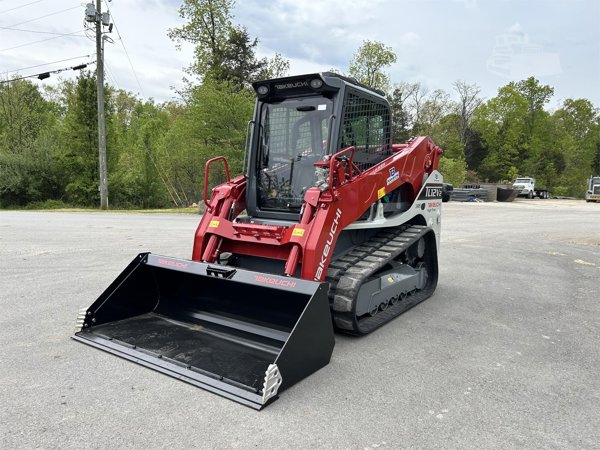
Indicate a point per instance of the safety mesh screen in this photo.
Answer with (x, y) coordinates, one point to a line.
(366, 126)
(294, 137)
(286, 140)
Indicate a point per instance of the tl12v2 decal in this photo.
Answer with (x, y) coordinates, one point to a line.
(431, 191)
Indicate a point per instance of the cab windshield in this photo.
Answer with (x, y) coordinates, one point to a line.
(293, 135)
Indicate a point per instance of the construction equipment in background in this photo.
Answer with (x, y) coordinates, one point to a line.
(528, 189)
(593, 190)
(331, 225)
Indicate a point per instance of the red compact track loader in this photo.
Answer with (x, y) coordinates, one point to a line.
(330, 226)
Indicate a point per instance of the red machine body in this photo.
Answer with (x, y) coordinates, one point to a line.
(326, 213)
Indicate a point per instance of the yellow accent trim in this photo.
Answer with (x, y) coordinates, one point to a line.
(381, 192)
(298, 232)
(213, 224)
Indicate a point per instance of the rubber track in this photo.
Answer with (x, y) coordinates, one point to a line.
(347, 273)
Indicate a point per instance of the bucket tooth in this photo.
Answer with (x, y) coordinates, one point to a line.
(80, 319)
(272, 382)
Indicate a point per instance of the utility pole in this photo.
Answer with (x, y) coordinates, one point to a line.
(101, 121)
(94, 15)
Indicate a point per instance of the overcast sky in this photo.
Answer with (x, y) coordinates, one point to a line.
(488, 42)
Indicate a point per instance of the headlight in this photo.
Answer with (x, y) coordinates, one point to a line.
(316, 83)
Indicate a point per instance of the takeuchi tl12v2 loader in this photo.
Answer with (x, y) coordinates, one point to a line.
(330, 226)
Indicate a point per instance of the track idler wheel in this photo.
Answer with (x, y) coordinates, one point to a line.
(425, 275)
(416, 252)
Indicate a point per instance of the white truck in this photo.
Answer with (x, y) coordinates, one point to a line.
(527, 188)
(593, 191)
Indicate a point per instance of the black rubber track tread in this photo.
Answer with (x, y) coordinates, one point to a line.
(347, 273)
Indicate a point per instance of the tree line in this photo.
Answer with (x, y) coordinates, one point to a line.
(157, 151)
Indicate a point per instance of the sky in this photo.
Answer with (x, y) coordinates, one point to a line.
(437, 42)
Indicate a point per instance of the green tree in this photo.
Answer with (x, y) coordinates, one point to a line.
(277, 67)
(445, 134)
(368, 63)
(468, 102)
(596, 165)
(499, 122)
(213, 123)
(537, 148)
(399, 100)
(136, 180)
(577, 135)
(537, 96)
(433, 109)
(223, 51)
(79, 139)
(28, 168)
(454, 171)
(238, 63)
(208, 27)
(520, 138)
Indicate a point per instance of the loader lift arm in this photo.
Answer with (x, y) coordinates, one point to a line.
(343, 201)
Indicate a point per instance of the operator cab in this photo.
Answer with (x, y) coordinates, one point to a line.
(299, 121)
(293, 136)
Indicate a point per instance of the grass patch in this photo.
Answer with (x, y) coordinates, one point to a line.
(59, 206)
(46, 204)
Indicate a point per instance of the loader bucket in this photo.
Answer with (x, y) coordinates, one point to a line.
(241, 334)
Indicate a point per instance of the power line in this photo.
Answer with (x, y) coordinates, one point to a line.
(111, 76)
(47, 64)
(44, 75)
(42, 40)
(126, 53)
(18, 7)
(32, 31)
(162, 174)
(132, 69)
(47, 15)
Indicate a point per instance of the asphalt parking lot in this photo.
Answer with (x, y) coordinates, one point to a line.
(506, 354)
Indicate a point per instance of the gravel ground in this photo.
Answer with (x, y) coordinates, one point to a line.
(506, 354)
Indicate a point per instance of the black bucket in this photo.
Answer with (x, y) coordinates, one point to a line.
(241, 334)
